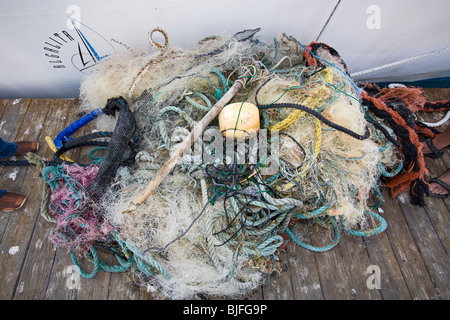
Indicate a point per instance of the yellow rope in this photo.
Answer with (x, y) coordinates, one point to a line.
(52, 146)
(318, 137)
(314, 101)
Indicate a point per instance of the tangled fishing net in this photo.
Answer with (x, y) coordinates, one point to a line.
(216, 224)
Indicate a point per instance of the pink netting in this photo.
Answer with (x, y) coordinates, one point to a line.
(79, 223)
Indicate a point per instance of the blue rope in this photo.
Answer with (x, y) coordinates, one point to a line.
(96, 159)
(95, 262)
(270, 246)
(64, 135)
(334, 242)
(102, 265)
(368, 233)
(319, 211)
(386, 174)
(276, 52)
(379, 197)
(224, 83)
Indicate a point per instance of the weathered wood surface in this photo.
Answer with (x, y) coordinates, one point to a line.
(412, 254)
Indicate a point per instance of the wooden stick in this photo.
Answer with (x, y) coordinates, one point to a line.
(188, 141)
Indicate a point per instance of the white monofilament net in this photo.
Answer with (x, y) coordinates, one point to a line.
(216, 229)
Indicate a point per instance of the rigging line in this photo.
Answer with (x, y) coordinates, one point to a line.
(86, 42)
(396, 63)
(83, 39)
(328, 20)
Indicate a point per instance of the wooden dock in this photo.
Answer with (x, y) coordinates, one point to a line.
(411, 256)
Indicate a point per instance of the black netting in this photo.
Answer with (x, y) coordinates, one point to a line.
(124, 135)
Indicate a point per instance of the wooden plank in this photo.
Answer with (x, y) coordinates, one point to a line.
(58, 276)
(326, 275)
(11, 179)
(97, 287)
(121, 286)
(11, 111)
(332, 270)
(381, 255)
(407, 254)
(23, 225)
(304, 275)
(40, 256)
(428, 243)
(4, 103)
(357, 259)
(438, 219)
(437, 209)
(333, 277)
(152, 294)
(12, 115)
(280, 286)
(9, 125)
(12, 249)
(436, 94)
(256, 294)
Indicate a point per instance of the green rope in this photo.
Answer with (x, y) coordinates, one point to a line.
(223, 80)
(334, 242)
(371, 232)
(149, 260)
(96, 159)
(123, 266)
(95, 262)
